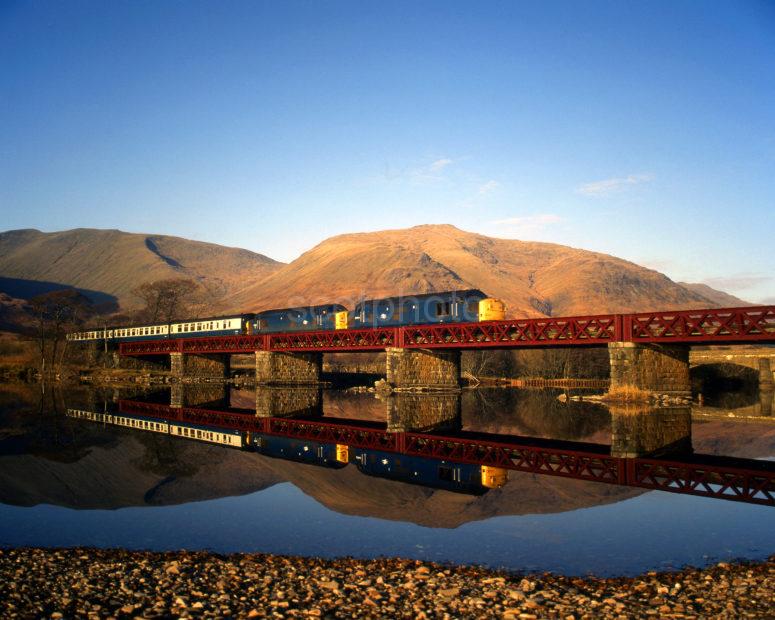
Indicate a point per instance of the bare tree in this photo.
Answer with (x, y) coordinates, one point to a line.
(168, 300)
(55, 314)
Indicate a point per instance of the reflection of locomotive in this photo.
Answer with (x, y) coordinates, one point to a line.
(447, 307)
(435, 473)
(313, 452)
(458, 477)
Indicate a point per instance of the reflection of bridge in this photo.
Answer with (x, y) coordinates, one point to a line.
(744, 480)
(647, 350)
(759, 359)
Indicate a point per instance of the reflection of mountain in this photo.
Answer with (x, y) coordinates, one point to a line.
(734, 438)
(135, 469)
(140, 468)
(45, 458)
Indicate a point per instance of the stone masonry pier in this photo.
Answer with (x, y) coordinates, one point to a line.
(288, 401)
(655, 368)
(759, 359)
(212, 395)
(287, 368)
(422, 369)
(650, 432)
(423, 412)
(188, 366)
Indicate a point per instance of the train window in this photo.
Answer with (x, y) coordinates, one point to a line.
(443, 308)
(446, 473)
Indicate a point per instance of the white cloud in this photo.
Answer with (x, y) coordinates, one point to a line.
(440, 164)
(526, 224)
(610, 186)
(488, 187)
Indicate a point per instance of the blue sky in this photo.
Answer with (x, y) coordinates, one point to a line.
(644, 130)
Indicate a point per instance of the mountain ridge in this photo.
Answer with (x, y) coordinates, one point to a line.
(533, 278)
(115, 262)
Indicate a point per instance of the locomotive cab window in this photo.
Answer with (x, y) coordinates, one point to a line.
(443, 308)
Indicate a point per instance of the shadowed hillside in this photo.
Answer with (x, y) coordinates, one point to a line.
(534, 279)
(111, 262)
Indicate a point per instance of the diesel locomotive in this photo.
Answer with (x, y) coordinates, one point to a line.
(446, 307)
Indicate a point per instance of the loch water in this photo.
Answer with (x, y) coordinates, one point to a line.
(160, 470)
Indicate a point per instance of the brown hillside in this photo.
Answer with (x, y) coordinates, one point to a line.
(534, 279)
(115, 262)
(720, 298)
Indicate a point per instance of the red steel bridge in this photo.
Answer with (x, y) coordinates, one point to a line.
(741, 480)
(755, 324)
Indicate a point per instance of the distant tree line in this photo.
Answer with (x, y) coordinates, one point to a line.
(55, 314)
(549, 363)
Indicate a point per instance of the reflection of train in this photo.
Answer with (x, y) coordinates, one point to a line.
(447, 307)
(209, 434)
(303, 451)
(458, 477)
(435, 473)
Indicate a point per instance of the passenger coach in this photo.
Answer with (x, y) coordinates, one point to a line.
(443, 307)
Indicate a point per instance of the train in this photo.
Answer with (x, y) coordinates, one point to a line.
(464, 478)
(445, 307)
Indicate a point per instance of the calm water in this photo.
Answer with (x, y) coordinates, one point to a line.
(66, 480)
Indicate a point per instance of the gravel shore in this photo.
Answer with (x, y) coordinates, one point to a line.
(97, 583)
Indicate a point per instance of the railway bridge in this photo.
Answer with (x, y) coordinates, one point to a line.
(649, 351)
(760, 359)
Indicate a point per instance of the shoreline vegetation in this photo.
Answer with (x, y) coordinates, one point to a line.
(115, 583)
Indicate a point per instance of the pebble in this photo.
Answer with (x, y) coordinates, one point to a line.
(105, 583)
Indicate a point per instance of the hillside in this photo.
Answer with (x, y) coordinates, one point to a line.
(534, 279)
(108, 264)
(719, 298)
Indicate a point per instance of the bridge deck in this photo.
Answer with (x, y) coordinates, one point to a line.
(716, 326)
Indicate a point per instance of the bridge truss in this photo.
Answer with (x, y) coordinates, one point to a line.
(717, 326)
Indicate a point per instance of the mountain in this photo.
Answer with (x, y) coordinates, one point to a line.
(719, 298)
(106, 265)
(534, 279)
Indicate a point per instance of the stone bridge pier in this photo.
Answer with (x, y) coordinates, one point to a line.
(214, 395)
(423, 412)
(766, 402)
(186, 366)
(637, 432)
(655, 368)
(766, 380)
(275, 402)
(409, 369)
(276, 368)
(150, 363)
(759, 359)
